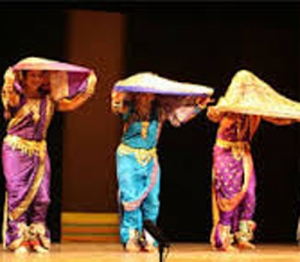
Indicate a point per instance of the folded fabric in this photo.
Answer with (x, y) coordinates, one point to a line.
(151, 83)
(247, 94)
(63, 79)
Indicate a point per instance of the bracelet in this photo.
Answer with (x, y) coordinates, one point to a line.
(117, 104)
(201, 106)
(9, 91)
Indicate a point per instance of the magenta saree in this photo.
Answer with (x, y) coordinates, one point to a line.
(233, 182)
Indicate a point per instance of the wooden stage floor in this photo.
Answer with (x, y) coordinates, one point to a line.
(81, 252)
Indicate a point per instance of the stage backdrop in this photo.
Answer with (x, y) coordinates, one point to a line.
(95, 39)
(205, 44)
(91, 134)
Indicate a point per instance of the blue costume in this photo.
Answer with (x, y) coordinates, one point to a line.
(138, 170)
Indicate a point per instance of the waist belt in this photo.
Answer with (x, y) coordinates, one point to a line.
(143, 156)
(29, 147)
(238, 148)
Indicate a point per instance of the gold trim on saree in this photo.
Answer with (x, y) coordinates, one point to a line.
(18, 211)
(22, 236)
(30, 148)
(37, 231)
(4, 222)
(143, 156)
(223, 204)
(246, 230)
(238, 148)
(229, 204)
(215, 212)
(31, 106)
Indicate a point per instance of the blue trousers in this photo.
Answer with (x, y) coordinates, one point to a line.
(139, 187)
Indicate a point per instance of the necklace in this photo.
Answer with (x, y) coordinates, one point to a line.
(144, 130)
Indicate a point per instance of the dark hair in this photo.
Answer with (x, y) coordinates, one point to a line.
(42, 90)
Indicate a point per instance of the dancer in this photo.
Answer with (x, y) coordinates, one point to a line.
(233, 174)
(32, 90)
(143, 112)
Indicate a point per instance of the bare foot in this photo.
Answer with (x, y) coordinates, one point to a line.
(40, 249)
(149, 247)
(229, 248)
(132, 246)
(21, 250)
(245, 245)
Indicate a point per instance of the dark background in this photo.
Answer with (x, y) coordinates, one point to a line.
(200, 43)
(208, 45)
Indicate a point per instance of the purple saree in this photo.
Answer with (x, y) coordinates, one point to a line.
(233, 185)
(24, 153)
(27, 172)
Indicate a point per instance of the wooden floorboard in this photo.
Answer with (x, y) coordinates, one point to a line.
(81, 252)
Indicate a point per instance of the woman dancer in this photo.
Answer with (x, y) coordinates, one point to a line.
(138, 170)
(233, 174)
(32, 90)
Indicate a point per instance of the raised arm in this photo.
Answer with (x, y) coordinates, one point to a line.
(9, 96)
(72, 104)
(120, 104)
(214, 115)
(185, 113)
(279, 121)
(254, 124)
